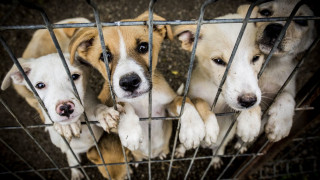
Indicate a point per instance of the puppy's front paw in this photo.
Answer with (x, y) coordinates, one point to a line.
(180, 151)
(69, 130)
(76, 174)
(241, 148)
(212, 130)
(217, 162)
(278, 125)
(108, 117)
(248, 126)
(130, 131)
(192, 129)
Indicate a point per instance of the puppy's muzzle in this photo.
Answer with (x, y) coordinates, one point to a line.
(130, 82)
(247, 100)
(65, 109)
(271, 33)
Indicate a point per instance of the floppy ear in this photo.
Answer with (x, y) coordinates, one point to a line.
(185, 34)
(81, 42)
(243, 9)
(164, 30)
(15, 75)
(93, 155)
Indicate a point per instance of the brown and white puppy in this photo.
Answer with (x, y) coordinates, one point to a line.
(240, 91)
(127, 51)
(41, 44)
(297, 39)
(110, 147)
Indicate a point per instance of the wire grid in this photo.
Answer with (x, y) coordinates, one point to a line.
(150, 23)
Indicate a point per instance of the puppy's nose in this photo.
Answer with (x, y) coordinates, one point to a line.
(65, 109)
(273, 31)
(247, 100)
(130, 82)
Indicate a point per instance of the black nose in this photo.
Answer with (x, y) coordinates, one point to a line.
(272, 31)
(247, 100)
(130, 82)
(66, 110)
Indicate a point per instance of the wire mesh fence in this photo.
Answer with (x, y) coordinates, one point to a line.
(276, 167)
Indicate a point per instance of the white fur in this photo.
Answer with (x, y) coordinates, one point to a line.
(297, 39)
(49, 70)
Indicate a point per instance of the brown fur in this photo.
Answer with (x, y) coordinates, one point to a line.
(110, 147)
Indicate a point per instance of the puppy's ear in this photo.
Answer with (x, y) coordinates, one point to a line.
(243, 9)
(93, 155)
(15, 75)
(185, 34)
(164, 30)
(81, 42)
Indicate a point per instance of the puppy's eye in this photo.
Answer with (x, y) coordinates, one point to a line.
(255, 58)
(219, 61)
(265, 12)
(109, 56)
(142, 48)
(40, 85)
(75, 76)
(301, 22)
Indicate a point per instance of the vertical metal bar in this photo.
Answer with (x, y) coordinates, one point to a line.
(150, 24)
(192, 58)
(35, 141)
(106, 61)
(12, 173)
(230, 162)
(252, 158)
(21, 158)
(243, 27)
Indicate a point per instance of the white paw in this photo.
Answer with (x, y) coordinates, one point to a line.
(76, 174)
(130, 131)
(162, 155)
(242, 149)
(212, 130)
(248, 125)
(278, 125)
(217, 162)
(107, 116)
(192, 129)
(180, 151)
(68, 130)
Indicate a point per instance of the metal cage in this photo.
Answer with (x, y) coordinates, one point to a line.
(248, 159)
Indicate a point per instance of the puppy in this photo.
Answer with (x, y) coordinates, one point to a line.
(127, 51)
(240, 91)
(297, 39)
(110, 147)
(64, 108)
(41, 44)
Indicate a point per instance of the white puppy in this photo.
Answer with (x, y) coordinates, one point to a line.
(240, 91)
(298, 38)
(54, 88)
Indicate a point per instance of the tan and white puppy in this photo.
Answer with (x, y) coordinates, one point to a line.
(127, 51)
(64, 108)
(240, 91)
(110, 147)
(41, 44)
(297, 39)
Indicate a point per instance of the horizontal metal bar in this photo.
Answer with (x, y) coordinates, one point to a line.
(132, 163)
(141, 119)
(142, 23)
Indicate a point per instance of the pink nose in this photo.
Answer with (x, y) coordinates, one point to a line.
(65, 109)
